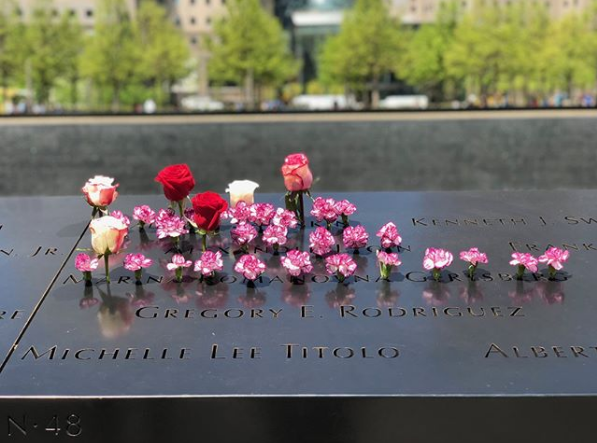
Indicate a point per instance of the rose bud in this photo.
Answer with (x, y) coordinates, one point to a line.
(242, 190)
(100, 192)
(296, 172)
(208, 207)
(107, 237)
(177, 181)
(298, 180)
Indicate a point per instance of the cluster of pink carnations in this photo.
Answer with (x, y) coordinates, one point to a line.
(252, 220)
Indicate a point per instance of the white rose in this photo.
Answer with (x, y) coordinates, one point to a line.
(107, 234)
(241, 190)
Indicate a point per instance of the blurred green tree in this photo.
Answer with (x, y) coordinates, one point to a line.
(165, 52)
(250, 49)
(112, 55)
(367, 47)
(12, 55)
(422, 63)
(71, 46)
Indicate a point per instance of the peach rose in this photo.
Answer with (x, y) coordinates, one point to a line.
(99, 191)
(296, 172)
(107, 235)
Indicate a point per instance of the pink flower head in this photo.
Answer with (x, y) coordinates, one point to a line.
(144, 214)
(388, 259)
(262, 213)
(178, 261)
(355, 237)
(163, 216)
(241, 213)
(249, 266)
(84, 263)
(324, 209)
(341, 265)
(389, 235)
(173, 226)
(344, 208)
(473, 256)
(285, 218)
(436, 258)
(209, 263)
(120, 216)
(524, 259)
(99, 191)
(555, 258)
(296, 263)
(275, 235)
(321, 241)
(136, 262)
(243, 234)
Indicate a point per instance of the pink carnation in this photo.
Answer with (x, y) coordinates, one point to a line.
(163, 216)
(120, 216)
(144, 214)
(178, 261)
(262, 213)
(275, 235)
(389, 235)
(135, 262)
(170, 226)
(243, 234)
(341, 265)
(355, 237)
(84, 263)
(241, 213)
(285, 218)
(525, 260)
(321, 241)
(344, 208)
(249, 266)
(388, 259)
(473, 256)
(209, 263)
(323, 209)
(555, 258)
(296, 263)
(437, 259)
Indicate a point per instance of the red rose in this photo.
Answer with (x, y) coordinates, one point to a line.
(208, 207)
(296, 172)
(177, 181)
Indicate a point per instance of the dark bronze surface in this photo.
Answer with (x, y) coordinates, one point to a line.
(36, 237)
(493, 350)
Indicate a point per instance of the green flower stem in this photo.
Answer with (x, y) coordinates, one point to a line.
(437, 274)
(178, 275)
(385, 271)
(107, 265)
(301, 209)
(138, 273)
(345, 220)
(471, 271)
(520, 272)
(340, 277)
(204, 242)
(552, 272)
(181, 208)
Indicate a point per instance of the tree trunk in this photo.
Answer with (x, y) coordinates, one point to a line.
(375, 92)
(250, 90)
